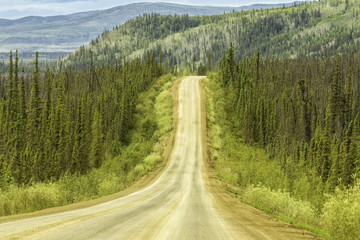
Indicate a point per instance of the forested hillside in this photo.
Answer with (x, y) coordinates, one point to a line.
(317, 29)
(136, 34)
(57, 36)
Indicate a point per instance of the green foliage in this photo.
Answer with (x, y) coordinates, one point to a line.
(162, 106)
(18, 199)
(96, 153)
(341, 214)
(35, 101)
(140, 156)
(275, 139)
(201, 71)
(252, 174)
(186, 72)
(280, 202)
(284, 107)
(68, 121)
(152, 160)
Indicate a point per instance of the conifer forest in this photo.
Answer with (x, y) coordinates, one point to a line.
(179, 112)
(65, 121)
(304, 112)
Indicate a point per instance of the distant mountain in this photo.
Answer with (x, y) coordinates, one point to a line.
(16, 14)
(58, 35)
(317, 29)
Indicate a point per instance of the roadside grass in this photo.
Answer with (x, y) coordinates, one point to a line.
(256, 179)
(147, 143)
(341, 214)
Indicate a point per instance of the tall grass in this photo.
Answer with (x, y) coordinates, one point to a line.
(147, 141)
(281, 202)
(261, 181)
(32, 198)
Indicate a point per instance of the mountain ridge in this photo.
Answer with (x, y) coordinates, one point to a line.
(66, 33)
(318, 29)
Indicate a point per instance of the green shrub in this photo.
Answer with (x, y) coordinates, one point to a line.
(139, 169)
(152, 160)
(18, 199)
(109, 185)
(280, 202)
(163, 106)
(341, 214)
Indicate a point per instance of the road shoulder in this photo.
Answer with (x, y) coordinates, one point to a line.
(240, 217)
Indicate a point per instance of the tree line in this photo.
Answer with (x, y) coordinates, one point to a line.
(304, 112)
(67, 121)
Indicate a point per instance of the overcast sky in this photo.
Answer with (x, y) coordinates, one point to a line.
(19, 8)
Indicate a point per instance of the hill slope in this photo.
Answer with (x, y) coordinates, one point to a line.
(313, 29)
(66, 33)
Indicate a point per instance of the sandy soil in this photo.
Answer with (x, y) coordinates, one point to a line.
(182, 199)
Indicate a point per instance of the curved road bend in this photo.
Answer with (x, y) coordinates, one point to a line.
(185, 202)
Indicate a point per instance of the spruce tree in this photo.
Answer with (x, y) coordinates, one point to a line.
(48, 102)
(306, 115)
(336, 101)
(326, 146)
(350, 153)
(34, 126)
(35, 104)
(15, 89)
(22, 116)
(14, 125)
(230, 61)
(46, 133)
(335, 170)
(348, 99)
(58, 128)
(80, 151)
(11, 78)
(10, 104)
(96, 153)
(209, 64)
(160, 68)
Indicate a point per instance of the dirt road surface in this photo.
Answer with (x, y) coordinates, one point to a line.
(186, 201)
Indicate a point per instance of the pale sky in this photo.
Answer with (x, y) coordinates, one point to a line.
(12, 9)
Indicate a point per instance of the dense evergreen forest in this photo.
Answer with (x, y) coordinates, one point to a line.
(318, 29)
(290, 130)
(66, 121)
(305, 112)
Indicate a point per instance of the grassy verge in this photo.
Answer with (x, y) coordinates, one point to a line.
(260, 181)
(145, 151)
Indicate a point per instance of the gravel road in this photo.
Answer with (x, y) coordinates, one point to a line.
(186, 201)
